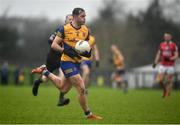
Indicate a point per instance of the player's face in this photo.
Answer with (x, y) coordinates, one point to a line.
(69, 19)
(113, 48)
(81, 18)
(167, 37)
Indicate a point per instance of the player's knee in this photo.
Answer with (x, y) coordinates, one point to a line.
(86, 72)
(59, 84)
(80, 86)
(169, 80)
(83, 91)
(161, 80)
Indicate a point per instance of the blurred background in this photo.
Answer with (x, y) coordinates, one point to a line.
(136, 26)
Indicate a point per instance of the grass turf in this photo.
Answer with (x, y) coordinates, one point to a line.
(18, 105)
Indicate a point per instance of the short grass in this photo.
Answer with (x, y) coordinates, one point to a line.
(18, 105)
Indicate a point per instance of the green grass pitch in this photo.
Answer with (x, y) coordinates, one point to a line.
(18, 105)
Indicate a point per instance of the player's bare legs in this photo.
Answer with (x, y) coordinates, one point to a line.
(161, 83)
(61, 83)
(114, 78)
(85, 74)
(169, 84)
(78, 82)
(66, 86)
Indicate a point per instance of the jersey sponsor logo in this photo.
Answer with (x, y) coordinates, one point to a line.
(67, 71)
(69, 32)
(166, 53)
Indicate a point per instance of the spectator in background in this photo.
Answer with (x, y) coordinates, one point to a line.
(4, 73)
(18, 76)
(21, 77)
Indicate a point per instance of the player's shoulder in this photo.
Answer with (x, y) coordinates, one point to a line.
(173, 43)
(162, 43)
(64, 26)
(60, 28)
(85, 27)
(67, 25)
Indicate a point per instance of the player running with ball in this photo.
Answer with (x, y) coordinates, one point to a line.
(69, 35)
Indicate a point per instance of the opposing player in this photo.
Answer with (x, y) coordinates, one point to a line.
(52, 63)
(68, 35)
(118, 77)
(166, 55)
(86, 62)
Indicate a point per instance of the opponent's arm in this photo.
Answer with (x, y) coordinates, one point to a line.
(156, 59)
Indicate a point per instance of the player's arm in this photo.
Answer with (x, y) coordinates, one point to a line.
(156, 61)
(121, 57)
(56, 44)
(58, 40)
(176, 55)
(96, 54)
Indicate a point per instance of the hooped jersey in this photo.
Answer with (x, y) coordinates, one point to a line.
(70, 36)
(167, 51)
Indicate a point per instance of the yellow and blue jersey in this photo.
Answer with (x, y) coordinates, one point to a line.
(70, 36)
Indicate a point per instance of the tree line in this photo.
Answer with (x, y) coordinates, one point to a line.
(24, 41)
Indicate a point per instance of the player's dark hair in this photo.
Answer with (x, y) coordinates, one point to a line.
(77, 11)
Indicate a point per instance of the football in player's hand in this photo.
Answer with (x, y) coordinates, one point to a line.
(82, 46)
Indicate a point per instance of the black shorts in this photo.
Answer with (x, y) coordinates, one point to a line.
(53, 60)
(120, 72)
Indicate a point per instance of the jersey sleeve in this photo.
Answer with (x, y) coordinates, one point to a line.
(88, 36)
(60, 32)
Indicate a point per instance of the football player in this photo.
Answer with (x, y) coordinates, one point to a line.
(118, 77)
(166, 55)
(52, 63)
(68, 35)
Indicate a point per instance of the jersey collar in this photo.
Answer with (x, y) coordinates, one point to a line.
(75, 27)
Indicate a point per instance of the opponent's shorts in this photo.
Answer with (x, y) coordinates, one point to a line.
(166, 69)
(53, 60)
(70, 69)
(86, 62)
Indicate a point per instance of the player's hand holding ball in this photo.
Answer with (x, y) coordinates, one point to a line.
(83, 48)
